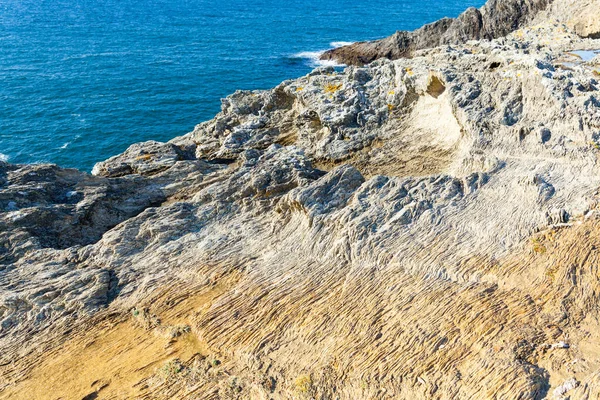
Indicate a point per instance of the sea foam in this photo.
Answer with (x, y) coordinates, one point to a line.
(335, 45)
(314, 57)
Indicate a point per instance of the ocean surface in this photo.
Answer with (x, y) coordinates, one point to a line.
(81, 80)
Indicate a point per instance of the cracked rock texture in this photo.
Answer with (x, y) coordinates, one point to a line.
(423, 228)
(495, 19)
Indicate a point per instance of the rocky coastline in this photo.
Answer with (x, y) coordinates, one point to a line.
(495, 19)
(421, 225)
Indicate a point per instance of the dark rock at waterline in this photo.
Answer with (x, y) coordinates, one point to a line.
(495, 19)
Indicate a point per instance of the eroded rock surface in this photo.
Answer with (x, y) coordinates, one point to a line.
(495, 19)
(411, 229)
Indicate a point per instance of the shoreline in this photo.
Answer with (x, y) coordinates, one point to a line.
(410, 229)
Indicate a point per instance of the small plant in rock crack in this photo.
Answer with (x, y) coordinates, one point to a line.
(145, 318)
(172, 332)
(231, 389)
(197, 370)
(171, 370)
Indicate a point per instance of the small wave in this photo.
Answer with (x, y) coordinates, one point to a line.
(4, 157)
(105, 54)
(314, 57)
(335, 45)
(19, 68)
(64, 146)
(161, 62)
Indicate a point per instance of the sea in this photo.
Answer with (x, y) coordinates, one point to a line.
(81, 80)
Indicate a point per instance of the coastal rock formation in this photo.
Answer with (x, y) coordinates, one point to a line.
(579, 15)
(423, 228)
(495, 19)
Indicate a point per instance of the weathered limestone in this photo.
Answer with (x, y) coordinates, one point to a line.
(423, 228)
(495, 19)
(579, 15)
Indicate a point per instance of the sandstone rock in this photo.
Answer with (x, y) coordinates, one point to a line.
(415, 229)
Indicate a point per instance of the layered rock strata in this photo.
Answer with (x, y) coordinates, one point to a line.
(424, 228)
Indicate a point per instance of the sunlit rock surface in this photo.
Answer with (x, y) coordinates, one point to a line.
(424, 228)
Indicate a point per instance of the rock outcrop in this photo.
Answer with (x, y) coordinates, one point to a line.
(579, 15)
(495, 19)
(423, 228)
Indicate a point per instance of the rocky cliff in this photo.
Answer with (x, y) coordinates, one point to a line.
(495, 19)
(424, 228)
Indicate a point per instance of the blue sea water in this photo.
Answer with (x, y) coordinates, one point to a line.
(81, 80)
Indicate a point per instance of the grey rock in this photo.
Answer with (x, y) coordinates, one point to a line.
(145, 159)
(495, 19)
(371, 216)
